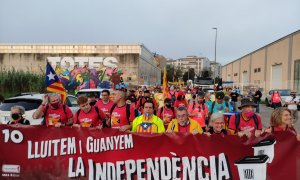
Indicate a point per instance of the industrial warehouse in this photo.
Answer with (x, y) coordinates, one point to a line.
(274, 66)
(104, 62)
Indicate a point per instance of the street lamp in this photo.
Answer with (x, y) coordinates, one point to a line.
(215, 64)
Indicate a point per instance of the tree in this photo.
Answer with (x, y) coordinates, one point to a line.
(190, 74)
(206, 73)
(173, 74)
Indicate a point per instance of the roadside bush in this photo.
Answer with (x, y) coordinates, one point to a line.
(13, 82)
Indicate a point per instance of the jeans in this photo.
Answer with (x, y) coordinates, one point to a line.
(257, 107)
(276, 105)
(294, 115)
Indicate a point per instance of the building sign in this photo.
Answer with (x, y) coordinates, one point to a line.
(87, 72)
(61, 153)
(91, 62)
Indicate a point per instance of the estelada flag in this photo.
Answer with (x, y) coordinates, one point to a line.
(53, 83)
(165, 87)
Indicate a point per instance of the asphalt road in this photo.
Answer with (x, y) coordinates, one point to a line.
(265, 113)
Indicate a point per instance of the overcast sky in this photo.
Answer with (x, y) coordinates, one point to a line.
(173, 28)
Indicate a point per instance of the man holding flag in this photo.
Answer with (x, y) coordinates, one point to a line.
(53, 110)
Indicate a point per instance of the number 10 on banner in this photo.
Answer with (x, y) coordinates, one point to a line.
(15, 136)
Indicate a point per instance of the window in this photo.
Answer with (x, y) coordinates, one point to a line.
(256, 70)
(28, 104)
(72, 101)
(297, 75)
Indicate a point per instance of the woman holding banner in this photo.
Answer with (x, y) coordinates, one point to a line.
(217, 125)
(281, 121)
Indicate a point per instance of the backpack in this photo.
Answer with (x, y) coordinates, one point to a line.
(237, 121)
(46, 110)
(127, 112)
(213, 105)
(97, 110)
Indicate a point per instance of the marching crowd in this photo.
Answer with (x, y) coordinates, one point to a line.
(223, 112)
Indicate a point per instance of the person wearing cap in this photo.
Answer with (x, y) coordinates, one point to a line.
(247, 122)
(167, 112)
(217, 125)
(198, 111)
(148, 122)
(183, 123)
(180, 101)
(220, 105)
(291, 102)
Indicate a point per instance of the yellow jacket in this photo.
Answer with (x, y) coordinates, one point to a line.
(153, 125)
(194, 125)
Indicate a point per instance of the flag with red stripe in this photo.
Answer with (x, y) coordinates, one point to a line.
(53, 83)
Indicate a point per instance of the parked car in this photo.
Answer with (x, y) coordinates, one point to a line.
(284, 93)
(30, 102)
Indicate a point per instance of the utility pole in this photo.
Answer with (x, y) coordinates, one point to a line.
(215, 64)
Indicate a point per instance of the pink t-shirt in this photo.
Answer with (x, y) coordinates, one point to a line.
(245, 125)
(54, 116)
(105, 108)
(90, 119)
(119, 116)
(166, 115)
(198, 108)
